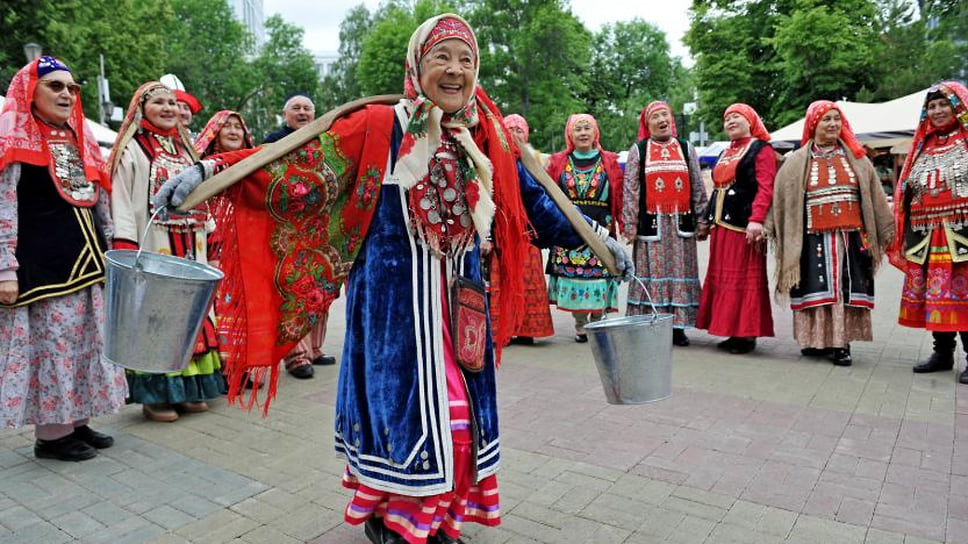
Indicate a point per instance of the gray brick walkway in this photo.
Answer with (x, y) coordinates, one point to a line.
(764, 448)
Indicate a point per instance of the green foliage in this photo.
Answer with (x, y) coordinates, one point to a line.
(203, 29)
(83, 30)
(779, 55)
(630, 67)
(342, 85)
(283, 66)
(197, 40)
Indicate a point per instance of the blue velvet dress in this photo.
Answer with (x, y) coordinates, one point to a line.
(392, 422)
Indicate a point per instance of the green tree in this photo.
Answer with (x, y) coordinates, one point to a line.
(824, 53)
(124, 31)
(630, 67)
(206, 29)
(22, 22)
(535, 57)
(283, 66)
(342, 84)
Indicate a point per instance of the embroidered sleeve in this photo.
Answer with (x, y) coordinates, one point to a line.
(697, 186)
(8, 221)
(122, 198)
(630, 192)
(765, 174)
(550, 224)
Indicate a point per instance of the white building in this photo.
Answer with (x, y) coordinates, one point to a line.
(249, 13)
(324, 62)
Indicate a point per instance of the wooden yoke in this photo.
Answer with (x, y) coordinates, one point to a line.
(568, 208)
(274, 151)
(270, 152)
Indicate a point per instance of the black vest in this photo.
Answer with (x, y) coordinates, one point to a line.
(649, 222)
(738, 197)
(60, 247)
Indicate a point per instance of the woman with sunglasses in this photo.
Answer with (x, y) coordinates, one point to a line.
(153, 146)
(52, 373)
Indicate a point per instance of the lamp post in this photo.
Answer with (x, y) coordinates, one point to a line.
(32, 51)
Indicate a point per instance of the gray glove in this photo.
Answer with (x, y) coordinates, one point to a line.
(174, 191)
(623, 261)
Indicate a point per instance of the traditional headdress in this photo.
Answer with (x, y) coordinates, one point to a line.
(815, 113)
(21, 139)
(757, 128)
(647, 112)
(207, 139)
(491, 174)
(570, 124)
(516, 121)
(181, 95)
(134, 120)
(957, 94)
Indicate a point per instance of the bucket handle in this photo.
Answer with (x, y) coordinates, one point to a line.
(655, 311)
(144, 236)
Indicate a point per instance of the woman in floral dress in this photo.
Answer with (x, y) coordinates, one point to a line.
(52, 373)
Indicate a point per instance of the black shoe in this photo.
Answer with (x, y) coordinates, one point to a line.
(741, 346)
(815, 352)
(443, 538)
(378, 533)
(727, 344)
(521, 341)
(93, 438)
(324, 360)
(679, 338)
(581, 338)
(65, 448)
(938, 361)
(964, 376)
(300, 369)
(841, 356)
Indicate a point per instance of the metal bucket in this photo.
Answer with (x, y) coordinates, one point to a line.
(633, 356)
(156, 305)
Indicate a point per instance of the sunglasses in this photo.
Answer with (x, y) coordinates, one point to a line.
(59, 86)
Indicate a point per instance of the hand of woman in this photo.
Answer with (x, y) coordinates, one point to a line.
(8, 291)
(702, 231)
(754, 233)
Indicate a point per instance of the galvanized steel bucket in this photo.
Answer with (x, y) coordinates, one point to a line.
(156, 305)
(633, 356)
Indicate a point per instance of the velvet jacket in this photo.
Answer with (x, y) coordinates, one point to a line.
(732, 206)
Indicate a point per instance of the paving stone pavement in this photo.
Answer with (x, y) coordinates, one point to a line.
(768, 447)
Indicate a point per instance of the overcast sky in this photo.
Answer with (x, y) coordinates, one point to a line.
(321, 19)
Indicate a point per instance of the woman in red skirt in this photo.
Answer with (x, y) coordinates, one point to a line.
(735, 299)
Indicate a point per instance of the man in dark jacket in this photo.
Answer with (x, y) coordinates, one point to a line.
(298, 112)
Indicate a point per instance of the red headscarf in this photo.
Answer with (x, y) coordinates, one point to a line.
(193, 103)
(957, 94)
(815, 113)
(757, 129)
(516, 121)
(208, 137)
(570, 125)
(647, 111)
(21, 139)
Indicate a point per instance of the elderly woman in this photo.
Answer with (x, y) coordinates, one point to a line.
(735, 300)
(664, 198)
(396, 200)
(535, 320)
(592, 178)
(830, 223)
(152, 146)
(53, 215)
(931, 225)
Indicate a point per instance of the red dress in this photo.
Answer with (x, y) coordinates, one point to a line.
(536, 315)
(735, 297)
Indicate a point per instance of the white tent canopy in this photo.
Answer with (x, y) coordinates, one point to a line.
(883, 124)
(105, 136)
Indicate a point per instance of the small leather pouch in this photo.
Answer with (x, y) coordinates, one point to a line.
(468, 322)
